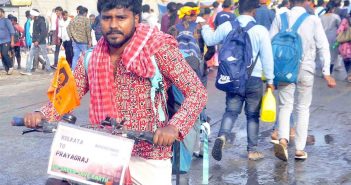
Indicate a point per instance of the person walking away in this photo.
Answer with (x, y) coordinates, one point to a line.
(38, 42)
(188, 27)
(170, 18)
(191, 43)
(309, 5)
(283, 7)
(213, 14)
(314, 41)
(7, 33)
(320, 10)
(343, 12)
(118, 78)
(264, 16)
(56, 40)
(226, 14)
(79, 31)
(331, 23)
(210, 58)
(18, 39)
(262, 54)
(28, 31)
(345, 48)
(67, 42)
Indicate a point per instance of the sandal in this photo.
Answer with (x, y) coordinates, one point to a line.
(301, 157)
(254, 155)
(218, 147)
(281, 152)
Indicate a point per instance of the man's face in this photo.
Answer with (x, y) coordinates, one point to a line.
(2, 14)
(58, 13)
(65, 16)
(92, 19)
(118, 26)
(190, 18)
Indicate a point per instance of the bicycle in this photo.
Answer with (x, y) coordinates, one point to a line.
(109, 125)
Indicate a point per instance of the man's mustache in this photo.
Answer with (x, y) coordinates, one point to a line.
(114, 32)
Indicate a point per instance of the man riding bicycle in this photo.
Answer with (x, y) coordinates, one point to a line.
(118, 78)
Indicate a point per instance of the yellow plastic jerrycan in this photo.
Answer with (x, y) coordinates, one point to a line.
(268, 107)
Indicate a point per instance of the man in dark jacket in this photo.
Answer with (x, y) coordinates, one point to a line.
(7, 33)
(97, 28)
(39, 35)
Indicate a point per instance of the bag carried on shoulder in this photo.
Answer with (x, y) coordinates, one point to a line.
(236, 60)
(344, 36)
(188, 44)
(287, 50)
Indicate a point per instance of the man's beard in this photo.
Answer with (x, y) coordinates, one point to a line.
(121, 43)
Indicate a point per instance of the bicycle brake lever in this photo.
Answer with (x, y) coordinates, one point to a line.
(26, 131)
(42, 127)
(140, 136)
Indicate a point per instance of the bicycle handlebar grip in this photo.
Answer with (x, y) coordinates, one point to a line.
(17, 121)
(148, 136)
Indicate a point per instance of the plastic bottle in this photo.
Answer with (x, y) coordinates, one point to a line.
(269, 107)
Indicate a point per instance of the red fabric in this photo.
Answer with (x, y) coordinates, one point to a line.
(135, 58)
(20, 30)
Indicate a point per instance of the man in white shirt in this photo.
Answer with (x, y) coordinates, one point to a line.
(67, 43)
(314, 41)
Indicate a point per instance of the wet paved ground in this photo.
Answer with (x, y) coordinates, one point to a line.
(23, 159)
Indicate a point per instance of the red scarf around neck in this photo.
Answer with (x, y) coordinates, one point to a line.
(145, 42)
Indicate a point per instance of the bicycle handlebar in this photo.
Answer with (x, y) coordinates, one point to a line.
(47, 127)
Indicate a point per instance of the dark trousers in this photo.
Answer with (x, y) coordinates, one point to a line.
(6, 59)
(347, 63)
(252, 102)
(16, 54)
(57, 52)
(68, 51)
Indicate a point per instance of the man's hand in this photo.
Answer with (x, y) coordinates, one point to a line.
(31, 120)
(166, 136)
(330, 81)
(12, 44)
(271, 86)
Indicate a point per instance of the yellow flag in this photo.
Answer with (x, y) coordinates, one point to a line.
(63, 92)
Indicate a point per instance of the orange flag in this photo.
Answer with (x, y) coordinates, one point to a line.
(63, 92)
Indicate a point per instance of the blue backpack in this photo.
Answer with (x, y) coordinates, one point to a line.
(188, 44)
(236, 60)
(287, 50)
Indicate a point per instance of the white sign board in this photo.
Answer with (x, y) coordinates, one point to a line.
(88, 156)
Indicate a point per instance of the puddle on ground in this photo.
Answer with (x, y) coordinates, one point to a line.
(321, 139)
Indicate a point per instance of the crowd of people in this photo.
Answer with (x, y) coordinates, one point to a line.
(318, 34)
(185, 43)
(39, 33)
